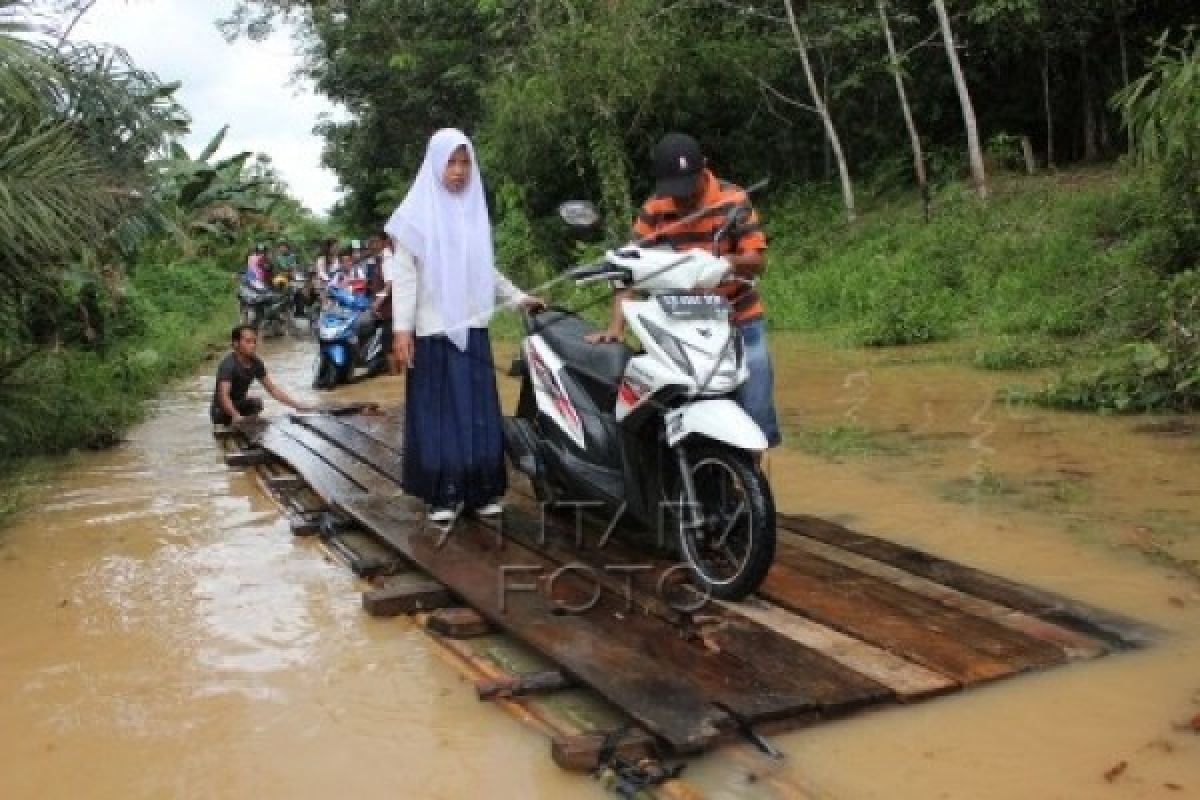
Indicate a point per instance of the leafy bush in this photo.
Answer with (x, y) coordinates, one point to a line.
(164, 321)
(1148, 375)
(1011, 353)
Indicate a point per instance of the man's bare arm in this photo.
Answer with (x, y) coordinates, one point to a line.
(750, 264)
(226, 402)
(279, 394)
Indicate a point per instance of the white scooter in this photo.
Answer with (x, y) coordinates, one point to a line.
(654, 436)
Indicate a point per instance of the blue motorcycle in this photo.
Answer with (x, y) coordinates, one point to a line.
(349, 336)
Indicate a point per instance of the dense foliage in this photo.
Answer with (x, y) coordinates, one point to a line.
(111, 234)
(568, 96)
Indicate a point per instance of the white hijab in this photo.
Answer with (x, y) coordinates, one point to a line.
(450, 235)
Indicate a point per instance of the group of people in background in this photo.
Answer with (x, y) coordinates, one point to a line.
(433, 268)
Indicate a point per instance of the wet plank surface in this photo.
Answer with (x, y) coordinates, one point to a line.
(844, 620)
(321, 476)
(471, 562)
(1116, 629)
(366, 447)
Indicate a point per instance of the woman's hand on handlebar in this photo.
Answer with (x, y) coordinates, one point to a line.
(532, 304)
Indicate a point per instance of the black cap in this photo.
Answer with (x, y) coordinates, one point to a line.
(678, 162)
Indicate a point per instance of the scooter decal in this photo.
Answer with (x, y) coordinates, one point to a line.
(562, 402)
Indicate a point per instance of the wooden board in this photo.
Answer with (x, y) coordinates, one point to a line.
(328, 483)
(365, 447)
(844, 620)
(654, 693)
(908, 681)
(777, 660)
(964, 648)
(387, 429)
(1074, 645)
(366, 476)
(1115, 629)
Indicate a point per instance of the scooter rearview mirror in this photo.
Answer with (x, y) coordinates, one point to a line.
(579, 214)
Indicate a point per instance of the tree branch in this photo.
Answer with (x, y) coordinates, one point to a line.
(81, 9)
(767, 88)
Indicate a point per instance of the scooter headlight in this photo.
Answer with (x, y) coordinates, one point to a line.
(672, 347)
(334, 328)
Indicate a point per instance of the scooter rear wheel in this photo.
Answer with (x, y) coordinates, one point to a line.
(730, 543)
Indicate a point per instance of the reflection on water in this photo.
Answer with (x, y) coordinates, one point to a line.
(162, 635)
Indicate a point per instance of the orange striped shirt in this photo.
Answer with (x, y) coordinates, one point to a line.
(659, 224)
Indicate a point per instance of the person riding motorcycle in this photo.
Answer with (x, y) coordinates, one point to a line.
(257, 269)
(674, 217)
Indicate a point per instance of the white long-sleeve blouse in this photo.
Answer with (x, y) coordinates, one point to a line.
(414, 308)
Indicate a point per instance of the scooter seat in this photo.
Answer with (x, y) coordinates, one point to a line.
(602, 363)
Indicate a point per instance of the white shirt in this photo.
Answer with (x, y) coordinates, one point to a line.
(415, 309)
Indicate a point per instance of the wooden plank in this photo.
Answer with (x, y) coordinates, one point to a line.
(911, 626)
(1116, 629)
(457, 623)
(1074, 645)
(582, 752)
(367, 448)
(388, 428)
(305, 524)
(660, 694)
(833, 687)
(348, 464)
(285, 483)
(907, 680)
(776, 660)
(555, 538)
(326, 482)
(522, 685)
(568, 714)
(250, 457)
(406, 594)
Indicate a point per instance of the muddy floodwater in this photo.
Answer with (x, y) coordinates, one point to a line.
(162, 635)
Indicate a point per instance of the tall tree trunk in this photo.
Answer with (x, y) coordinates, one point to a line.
(1046, 100)
(1091, 150)
(827, 149)
(1117, 18)
(913, 137)
(974, 151)
(822, 111)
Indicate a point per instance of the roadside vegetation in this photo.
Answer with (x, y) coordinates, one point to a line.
(1018, 172)
(117, 246)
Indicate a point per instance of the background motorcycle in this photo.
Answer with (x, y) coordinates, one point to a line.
(348, 336)
(263, 307)
(304, 301)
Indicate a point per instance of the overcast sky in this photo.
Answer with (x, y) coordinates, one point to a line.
(246, 84)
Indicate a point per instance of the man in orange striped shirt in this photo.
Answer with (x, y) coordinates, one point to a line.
(689, 206)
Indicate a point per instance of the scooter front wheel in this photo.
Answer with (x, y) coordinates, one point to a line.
(727, 524)
(325, 376)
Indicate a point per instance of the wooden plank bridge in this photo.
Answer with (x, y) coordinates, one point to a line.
(844, 621)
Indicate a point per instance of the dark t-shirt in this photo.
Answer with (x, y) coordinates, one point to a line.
(240, 377)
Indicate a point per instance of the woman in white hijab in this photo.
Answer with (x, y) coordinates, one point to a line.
(444, 288)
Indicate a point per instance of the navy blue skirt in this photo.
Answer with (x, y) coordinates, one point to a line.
(453, 440)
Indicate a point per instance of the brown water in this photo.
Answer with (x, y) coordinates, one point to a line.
(163, 635)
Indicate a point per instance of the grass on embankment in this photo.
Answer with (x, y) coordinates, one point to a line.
(168, 318)
(1055, 270)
